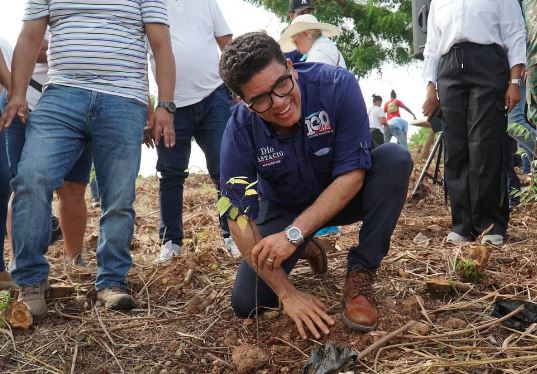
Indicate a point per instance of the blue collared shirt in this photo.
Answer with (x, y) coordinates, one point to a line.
(331, 139)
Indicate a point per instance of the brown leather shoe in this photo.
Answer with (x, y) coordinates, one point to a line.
(315, 254)
(360, 312)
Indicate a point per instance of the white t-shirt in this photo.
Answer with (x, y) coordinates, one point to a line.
(7, 52)
(375, 113)
(194, 24)
(324, 50)
(40, 76)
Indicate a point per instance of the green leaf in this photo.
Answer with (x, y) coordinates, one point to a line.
(251, 185)
(242, 221)
(236, 180)
(250, 192)
(223, 205)
(233, 213)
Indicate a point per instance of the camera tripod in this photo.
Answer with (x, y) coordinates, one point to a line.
(436, 152)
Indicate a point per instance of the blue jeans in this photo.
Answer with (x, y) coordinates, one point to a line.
(65, 120)
(4, 189)
(15, 139)
(397, 127)
(204, 121)
(526, 140)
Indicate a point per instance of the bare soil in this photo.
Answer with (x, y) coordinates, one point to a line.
(184, 323)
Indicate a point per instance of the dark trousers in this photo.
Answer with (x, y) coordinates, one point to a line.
(377, 138)
(472, 80)
(204, 121)
(378, 205)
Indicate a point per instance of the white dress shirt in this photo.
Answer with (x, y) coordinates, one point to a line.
(478, 21)
(324, 50)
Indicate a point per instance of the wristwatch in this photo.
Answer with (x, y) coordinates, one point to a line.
(168, 105)
(516, 81)
(294, 235)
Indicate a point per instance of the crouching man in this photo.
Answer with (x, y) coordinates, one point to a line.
(302, 132)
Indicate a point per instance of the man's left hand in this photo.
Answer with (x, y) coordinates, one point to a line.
(272, 251)
(161, 126)
(512, 97)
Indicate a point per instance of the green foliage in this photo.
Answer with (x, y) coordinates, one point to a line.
(224, 203)
(418, 138)
(5, 300)
(374, 31)
(469, 270)
(527, 194)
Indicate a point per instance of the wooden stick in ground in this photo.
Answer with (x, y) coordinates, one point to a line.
(379, 343)
(468, 330)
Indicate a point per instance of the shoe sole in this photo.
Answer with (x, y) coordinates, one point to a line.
(357, 327)
(123, 304)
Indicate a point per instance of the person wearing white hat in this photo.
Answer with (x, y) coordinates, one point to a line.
(311, 38)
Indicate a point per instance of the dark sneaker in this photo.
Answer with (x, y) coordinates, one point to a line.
(115, 298)
(34, 298)
(56, 231)
(77, 262)
(360, 312)
(315, 254)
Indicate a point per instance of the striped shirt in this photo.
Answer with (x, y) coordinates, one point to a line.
(99, 44)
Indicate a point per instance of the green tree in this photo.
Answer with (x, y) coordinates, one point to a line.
(374, 31)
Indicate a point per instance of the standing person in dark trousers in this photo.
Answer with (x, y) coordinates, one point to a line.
(198, 29)
(474, 56)
(377, 122)
(5, 278)
(298, 8)
(302, 132)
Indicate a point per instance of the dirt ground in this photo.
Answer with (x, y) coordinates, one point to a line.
(183, 322)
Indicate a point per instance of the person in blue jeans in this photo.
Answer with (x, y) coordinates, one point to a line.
(95, 96)
(5, 279)
(198, 30)
(526, 138)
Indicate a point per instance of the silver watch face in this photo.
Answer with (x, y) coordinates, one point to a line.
(294, 234)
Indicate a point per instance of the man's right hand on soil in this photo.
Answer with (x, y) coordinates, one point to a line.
(306, 309)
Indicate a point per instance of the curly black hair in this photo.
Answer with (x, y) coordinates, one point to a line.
(246, 56)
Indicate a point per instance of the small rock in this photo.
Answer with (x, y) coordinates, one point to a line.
(410, 305)
(167, 364)
(164, 371)
(435, 228)
(271, 314)
(179, 352)
(377, 335)
(248, 358)
(247, 322)
(421, 239)
(420, 328)
(455, 323)
(173, 345)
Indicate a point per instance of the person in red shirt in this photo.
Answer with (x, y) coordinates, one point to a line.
(397, 126)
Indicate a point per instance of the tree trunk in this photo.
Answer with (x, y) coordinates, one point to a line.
(426, 148)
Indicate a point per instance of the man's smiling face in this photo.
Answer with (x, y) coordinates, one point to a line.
(267, 87)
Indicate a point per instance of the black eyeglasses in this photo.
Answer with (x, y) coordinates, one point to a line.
(282, 88)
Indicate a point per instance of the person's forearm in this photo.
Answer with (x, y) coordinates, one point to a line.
(431, 89)
(25, 55)
(330, 202)
(5, 76)
(223, 40)
(165, 73)
(516, 71)
(276, 279)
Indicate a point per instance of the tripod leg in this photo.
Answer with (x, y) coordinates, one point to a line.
(438, 158)
(427, 164)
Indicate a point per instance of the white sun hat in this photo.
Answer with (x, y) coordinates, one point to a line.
(303, 23)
